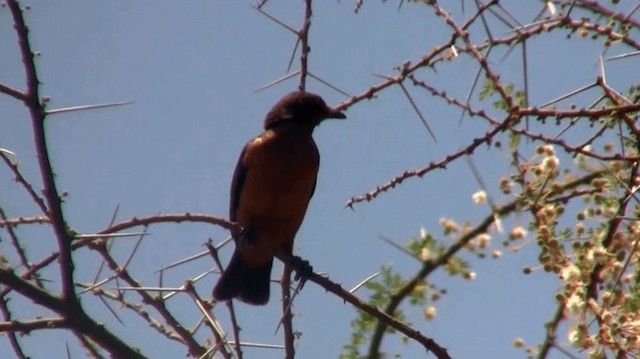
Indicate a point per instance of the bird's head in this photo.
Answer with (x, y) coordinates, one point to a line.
(301, 108)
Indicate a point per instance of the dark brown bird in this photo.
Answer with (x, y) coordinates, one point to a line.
(273, 182)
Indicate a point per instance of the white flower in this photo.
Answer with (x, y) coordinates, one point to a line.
(518, 233)
(480, 197)
(575, 338)
(550, 163)
(551, 8)
(430, 313)
(483, 240)
(453, 52)
(548, 150)
(575, 304)
(469, 275)
(570, 272)
(425, 254)
(498, 223)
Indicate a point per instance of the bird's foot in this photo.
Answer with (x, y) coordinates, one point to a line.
(303, 269)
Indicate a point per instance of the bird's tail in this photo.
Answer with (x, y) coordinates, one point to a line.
(247, 283)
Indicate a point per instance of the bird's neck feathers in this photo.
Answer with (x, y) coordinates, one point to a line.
(291, 126)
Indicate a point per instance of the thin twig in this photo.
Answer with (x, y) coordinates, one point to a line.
(25, 184)
(287, 316)
(11, 331)
(303, 35)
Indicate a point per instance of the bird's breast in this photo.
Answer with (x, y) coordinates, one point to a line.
(280, 179)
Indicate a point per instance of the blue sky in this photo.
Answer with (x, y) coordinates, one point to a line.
(191, 69)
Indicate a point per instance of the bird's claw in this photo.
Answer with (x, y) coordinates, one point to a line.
(303, 269)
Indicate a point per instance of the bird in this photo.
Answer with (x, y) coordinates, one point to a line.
(273, 182)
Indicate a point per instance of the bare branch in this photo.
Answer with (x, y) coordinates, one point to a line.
(51, 194)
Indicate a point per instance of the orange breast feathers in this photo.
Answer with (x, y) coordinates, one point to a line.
(281, 170)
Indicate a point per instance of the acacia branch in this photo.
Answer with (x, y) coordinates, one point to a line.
(6, 314)
(51, 195)
(335, 288)
(27, 186)
(20, 251)
(73, 319)
(157, 303)
(287, 316)
(303, 35)
(27, 326)
(552, 327)
(612, 230)
(13, 92)
(165, 218)
(578, 149)
(430, 265)
(213, 251)
(442, 164)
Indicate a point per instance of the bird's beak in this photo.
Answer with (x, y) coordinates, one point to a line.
(333, 113)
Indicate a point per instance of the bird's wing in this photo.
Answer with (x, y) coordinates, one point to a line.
(315, 181)
(237, 183)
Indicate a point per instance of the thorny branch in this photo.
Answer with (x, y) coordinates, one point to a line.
(503, 122)
(51, 194)
(335, 288)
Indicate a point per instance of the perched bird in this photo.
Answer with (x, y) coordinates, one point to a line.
(273, 182)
